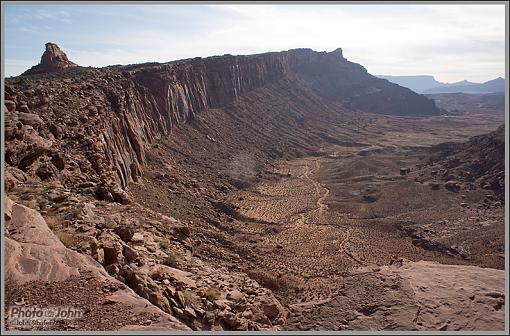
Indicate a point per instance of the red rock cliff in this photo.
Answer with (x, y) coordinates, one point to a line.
(109, 116)
(53, 59)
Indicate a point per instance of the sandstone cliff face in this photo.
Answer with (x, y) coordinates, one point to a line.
(53, 59)
(112, 114)
(334, 77)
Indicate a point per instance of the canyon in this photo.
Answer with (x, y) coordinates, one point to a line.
(279, 191)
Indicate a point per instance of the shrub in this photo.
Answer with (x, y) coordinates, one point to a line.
(65, 238)
(100, 202)
(13, 197)
(43, 203)
(367, 211)
(182, 230)
(170, 261)
(191, 299)
(264, 279)
(282, 284)
(211, 294)
(164, 244)
(54, 222)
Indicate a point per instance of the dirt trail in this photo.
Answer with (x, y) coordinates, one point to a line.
(310, 249)
(321, 225)
(321, 194)
(320, 202)
(343, 247)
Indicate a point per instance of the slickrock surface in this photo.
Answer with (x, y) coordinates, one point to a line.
(410, 296)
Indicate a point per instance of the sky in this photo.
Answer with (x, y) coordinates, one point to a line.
(451, 42)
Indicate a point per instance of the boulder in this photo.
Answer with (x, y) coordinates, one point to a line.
(113, 270)
(452, 186)
(176, 275)
(125, 233)
(9, 181)
(130, 254)
(7, 208)
(14, 130)
(235, 295)
(435, 186)
(46, 170)
(56, 130)
(120, 196)
(272, 309)
(230, 320)
(33, 252)
(11, 106)
(103, 193)
(138, 238)
(113, 252)
(144, 286)
(405, 171)
(190, 312)
(24, 108)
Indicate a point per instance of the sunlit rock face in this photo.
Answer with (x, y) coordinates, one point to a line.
(53, 59)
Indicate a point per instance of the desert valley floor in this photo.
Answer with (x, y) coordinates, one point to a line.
(306, 223)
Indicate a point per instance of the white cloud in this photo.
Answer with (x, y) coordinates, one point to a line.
(40, 15)
(453, 42)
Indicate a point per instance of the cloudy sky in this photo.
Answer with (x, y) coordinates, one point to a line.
(451, 42)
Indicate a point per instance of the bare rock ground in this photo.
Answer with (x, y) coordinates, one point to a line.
(410, 296)
(297, 233)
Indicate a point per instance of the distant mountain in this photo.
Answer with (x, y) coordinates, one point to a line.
(416, 83)
(493, 86)
(428, 84)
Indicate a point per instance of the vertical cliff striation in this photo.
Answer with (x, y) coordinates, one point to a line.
(108, 117)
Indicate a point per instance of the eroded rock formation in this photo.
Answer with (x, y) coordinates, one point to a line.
(114, 113)
(76, 139)
(480, 160)
(53, 59)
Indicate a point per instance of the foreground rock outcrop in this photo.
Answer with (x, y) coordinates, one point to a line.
(53, 59)
(36, 259)
(126, 273)
(410, 296)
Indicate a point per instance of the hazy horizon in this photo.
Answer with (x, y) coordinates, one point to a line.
(450, 42)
